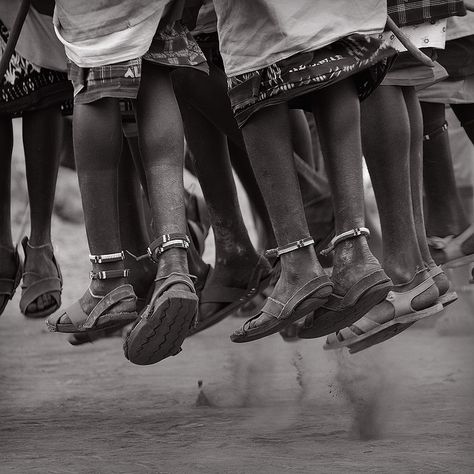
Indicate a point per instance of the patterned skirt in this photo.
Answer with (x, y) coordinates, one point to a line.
(364, 58)
(173, 46)
(27, 87)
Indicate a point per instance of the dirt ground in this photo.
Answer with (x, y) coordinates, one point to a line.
(405, 406)
(268, 406)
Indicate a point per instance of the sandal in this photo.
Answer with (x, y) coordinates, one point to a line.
(35, 286)
(367, 331)
(233, 297)
(8, 286)
(447, 251)
(165, 322)
(305, 299)
(112, 311)
(446, 297)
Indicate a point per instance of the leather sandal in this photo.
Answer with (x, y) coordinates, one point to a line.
(113, 310)
(165, 322)
(341, 311)
(447, 251)
(8, 286)
(35, 285)
(234, 298)
(399, 311)
(308, 297)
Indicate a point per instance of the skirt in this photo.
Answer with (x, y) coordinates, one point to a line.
(173, 46)
(407, 71)
(290, 80)
(27, 87)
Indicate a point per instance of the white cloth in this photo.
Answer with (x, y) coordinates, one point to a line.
(460, 26)
(256, 33)
(425, 35)
(115, 47)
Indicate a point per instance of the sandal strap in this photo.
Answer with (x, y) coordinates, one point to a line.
(108, 274)
(107, 258)
(350, 234)
(166, 242)
(174, 278)
(297, 244)
(436, 132)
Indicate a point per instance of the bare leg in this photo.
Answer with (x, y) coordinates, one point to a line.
(268, 139)
(42, 133)
(337, 113)
(386, 143)
(7, 260)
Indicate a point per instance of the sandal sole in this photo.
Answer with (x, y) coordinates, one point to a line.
(309, 304)
(125, 318)
(333, 321)
(161, 333)
(391, 328)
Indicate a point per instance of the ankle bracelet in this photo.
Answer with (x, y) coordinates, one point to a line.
(350, 234)
(297, 244)
(166, 242)
(107, 258)
(435, 133)
(109, 274)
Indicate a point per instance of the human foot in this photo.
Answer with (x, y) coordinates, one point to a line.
(359, 284)
(42, 281)
(453, 250)
(302, 287)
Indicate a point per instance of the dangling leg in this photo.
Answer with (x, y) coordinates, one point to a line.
(445, 214)
(9, 260)
(166, 322)
(42, 132)
(110, 300)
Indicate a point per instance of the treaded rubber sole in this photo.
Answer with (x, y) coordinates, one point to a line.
(333, 321)
(159, 333)
(391, 328)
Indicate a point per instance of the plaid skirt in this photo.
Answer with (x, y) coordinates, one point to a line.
(173, 46)
(27, 87)
(364, 58)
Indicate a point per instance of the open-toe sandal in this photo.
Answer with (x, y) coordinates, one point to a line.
(35, 286)
(112, 311)
(8, 286)
(446, 294)
(341, 311)
(305, 299)
(233, 298)
(447, 251)
(165, 322)
(398, 315)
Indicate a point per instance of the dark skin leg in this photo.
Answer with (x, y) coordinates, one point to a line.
(337, 113)
(387, 153)
(446, 214)
(235, 255)
(42, 132)
(7, 261)
(97, 145)
(268, 139)
(133, 227)
(162, 152)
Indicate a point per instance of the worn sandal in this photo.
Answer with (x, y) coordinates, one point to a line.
(233, 297)
(446, 295)
(165, 322)
(8, 286)
(308, 297)
(35, 285)
(112, 310)
(447, 251)
(342, 310)
(367, 331)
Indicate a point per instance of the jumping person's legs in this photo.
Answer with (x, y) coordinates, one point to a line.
(8, 259)
(42, 132)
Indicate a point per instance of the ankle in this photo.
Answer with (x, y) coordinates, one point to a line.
(102, 287)
(39, 240)
(173, 260)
